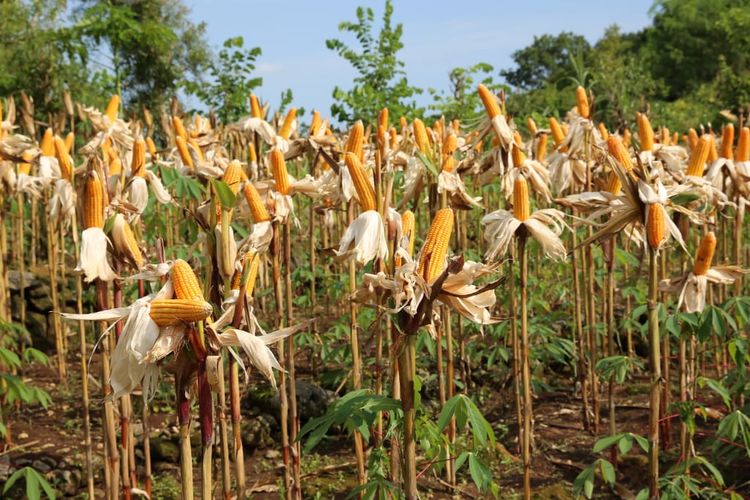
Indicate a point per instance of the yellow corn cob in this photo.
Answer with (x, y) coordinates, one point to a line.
(151, 147)
(252, 276)
(437, 129)
(197, 126)
(70, 139)
(692, 138)
(698, 157)
(521, 208)
(315, 123)
(196, 148)
(541, 147)
(727, 140)
(603, 131)
(93, 202)
(626, 137)
(645, 133)
(166, 312)
(450, 144)
(531, 125)
(557, 133)
(185, 155)
(518, 155)
(25, 166)
(489, 100)
(113, 107)
(255, 109)
(252, 156)
(705, 254)
(115, 166)
(408, 229)
(382, 136)
(138, 165)
(713, 153)
(393, 133)
(743, 145)
(47, 145)
(179, 128)
(365, 190)
(63, 159)
(432, 259)
(254, 201)
(383, 118)
(449, 164)
(665, 136)
(130, 246)
(656, 226)
(420, 136)
(456, 125)
(286, 127)
(356, 139)
(582, 102)
(232, 175)
(280, 175)
(185, 282)
(675, 138)
(619, 152)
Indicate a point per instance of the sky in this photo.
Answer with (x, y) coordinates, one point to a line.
(438, 36)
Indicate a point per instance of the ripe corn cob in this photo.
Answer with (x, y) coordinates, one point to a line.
(185, 282)
(93, 202)
(138, 166)
(408, 229)
(743, 145)
(713, 153)
(70, 139)
(531, 125)
(521, 208)
(656, 229)
(113, 107)
(63, 159)
(255, 109)
(185, 155)
(420, 136)
(47, 144)
(437, 129)
(541, 147)
(450, 144)
(432, 259)
(394, 137)
(252, 156)
(383, 118)
(280, 175)
(558, 135)
(253, 260)
(257, 207)
(645, 132)
(448, 164)
(232, 175)
(582, 102)
(692, 139)
(365, 189)
(727, 140)
(626, 137)
(619, 153)
(664, 136)
(25, 166)
(518, 155)
(166, 312)
(489, 100)
(698, 157)
(179, 128)
(315, 123)
(115, 166)
(705, 254)
(355, 141)
(675, 138)
(603, 131)
(196, 148)
(151, 147)
(133, 250)
(286, 127)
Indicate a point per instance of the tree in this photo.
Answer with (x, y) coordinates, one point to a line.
(462, 100)
(549, 59)
(152, 46)
(381, 80)
(231, 80)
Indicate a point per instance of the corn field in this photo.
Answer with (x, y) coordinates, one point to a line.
(494, 309)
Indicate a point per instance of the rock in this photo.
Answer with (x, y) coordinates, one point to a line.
(165, 450)
(4, 468)
(14, 280)
(257, 432)
(559, 491)
(41, 466)
(38, 325)
(312, 401)
(23, 435)
(272, 454)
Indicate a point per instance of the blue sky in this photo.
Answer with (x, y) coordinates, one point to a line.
(438, 36)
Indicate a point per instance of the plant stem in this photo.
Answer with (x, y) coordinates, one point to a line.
(656, 380)
(407, 372)
(525, 369)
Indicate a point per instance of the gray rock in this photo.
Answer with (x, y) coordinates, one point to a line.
(312, 401)
(257, 432)
(41, 466)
